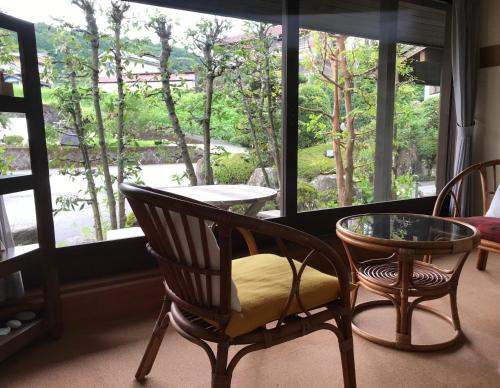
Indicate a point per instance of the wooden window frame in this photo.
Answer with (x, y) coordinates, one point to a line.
(106, 258)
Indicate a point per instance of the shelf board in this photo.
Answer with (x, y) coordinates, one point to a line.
(15, 183)
(18, 338)
(14, 259)
(12, 104)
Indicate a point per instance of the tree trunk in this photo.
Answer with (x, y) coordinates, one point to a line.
(93, 32)
(251, 124)
(164, 34)
(273, 132)
(76, 116)
(336, 130)
(117, 13)
(209, 93)
(351, 135)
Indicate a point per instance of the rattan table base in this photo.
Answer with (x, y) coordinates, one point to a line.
(403, 341)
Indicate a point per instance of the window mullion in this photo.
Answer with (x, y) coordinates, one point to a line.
(385, 100)
(290, 107)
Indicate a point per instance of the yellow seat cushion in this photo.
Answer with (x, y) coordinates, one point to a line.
(264, 282)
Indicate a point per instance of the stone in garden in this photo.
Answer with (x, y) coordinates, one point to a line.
(14, 324)
(325, 182)
(257, 177)
(25, 316)
(4, 330)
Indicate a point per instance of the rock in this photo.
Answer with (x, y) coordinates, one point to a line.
(25, 234)
(14, 324)
(257, 177)
(25, 316)
(4, 330)
(325, 182)
(198, 170)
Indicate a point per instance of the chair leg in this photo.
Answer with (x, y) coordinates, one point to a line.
(347, 353)
(482, 257)
(220, 375)
(154, 343)
(454, 309)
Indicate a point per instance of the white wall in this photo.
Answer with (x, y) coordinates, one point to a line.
(487, 133)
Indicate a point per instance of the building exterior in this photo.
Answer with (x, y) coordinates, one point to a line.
(142, 70)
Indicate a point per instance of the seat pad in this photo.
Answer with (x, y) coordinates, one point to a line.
(488, 226)
(264, 282)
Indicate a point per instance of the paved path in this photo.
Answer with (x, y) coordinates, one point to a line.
(76, 226)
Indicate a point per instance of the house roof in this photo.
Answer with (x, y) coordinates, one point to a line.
(151, 77)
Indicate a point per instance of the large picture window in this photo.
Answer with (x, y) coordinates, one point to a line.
(182, 99)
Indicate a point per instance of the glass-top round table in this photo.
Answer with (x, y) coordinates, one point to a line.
(405, 275)
(406, 229)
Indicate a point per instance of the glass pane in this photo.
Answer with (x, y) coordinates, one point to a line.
(21, 217)
(14, 148)
(416, 121)
(142, 141)
(10, 66)
(337, 110)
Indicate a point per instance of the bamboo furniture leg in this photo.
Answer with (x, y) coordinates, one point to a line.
(155, 341)
(482, 257)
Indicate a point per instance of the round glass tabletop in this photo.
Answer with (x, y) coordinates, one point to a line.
(405, 227)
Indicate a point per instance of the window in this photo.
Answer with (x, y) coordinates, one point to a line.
(416, 121)
(150, 141)
(337, 116)
(163, 92)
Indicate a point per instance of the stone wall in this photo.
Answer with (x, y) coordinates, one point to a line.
(62, 156)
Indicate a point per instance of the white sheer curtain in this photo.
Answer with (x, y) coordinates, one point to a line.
(11, 286)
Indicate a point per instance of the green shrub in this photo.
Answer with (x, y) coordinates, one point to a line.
(313, 162)
(233, 168)
(307, 196)
(131, 220)
(13, 140)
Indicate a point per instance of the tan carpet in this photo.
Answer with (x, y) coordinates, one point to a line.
(107, 356)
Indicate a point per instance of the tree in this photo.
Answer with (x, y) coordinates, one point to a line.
(69, 96)
(92, 32)
(256, 74)
(116, 15)
(206, 40)
(164, 31)
(346, 76)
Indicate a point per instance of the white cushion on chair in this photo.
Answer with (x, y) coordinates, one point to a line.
(494, 209)
(213, 253)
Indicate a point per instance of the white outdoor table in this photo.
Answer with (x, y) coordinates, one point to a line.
(225, 196)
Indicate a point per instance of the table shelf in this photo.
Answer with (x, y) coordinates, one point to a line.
(18, 338)
(15, 259)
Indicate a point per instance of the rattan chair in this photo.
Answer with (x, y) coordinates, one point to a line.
(488, 226)
(200, 301)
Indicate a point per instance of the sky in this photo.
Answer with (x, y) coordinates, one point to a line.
(46, 10)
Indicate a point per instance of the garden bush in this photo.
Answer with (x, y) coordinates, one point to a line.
(233, 168)
(13, 140)
(313, 162)
(307, 196)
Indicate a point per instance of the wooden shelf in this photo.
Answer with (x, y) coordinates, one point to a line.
(15, 183)
(13, 104)
(18, 338)
(14, 259)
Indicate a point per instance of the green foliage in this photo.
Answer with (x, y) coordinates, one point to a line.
(13, 140)
(313, 162)
(131, 220)
(233, 168)
(313, 128)
(405, 186)
(307, 196)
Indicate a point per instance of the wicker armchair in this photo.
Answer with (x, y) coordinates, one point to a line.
(258, 301)
(488, 226)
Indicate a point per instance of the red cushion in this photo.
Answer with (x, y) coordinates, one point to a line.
(488, 226)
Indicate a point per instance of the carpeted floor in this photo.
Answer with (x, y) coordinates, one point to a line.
(107, 355)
